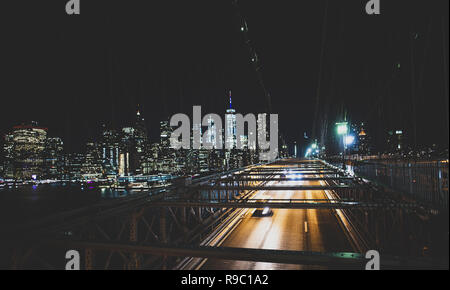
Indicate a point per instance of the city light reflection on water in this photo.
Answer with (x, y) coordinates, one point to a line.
(34, 201)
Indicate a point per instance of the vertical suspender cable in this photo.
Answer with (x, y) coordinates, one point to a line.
(319, 81)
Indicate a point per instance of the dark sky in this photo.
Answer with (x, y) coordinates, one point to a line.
(71, 73)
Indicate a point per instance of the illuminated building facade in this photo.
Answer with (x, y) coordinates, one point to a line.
(203, 160)
(395, 141)
(29, 153)
(363, 141)
(230, 125)
(73, 165)
(24, 151)
(110, 150)
(54, 158)
(134, 146)
(8, 155)
(92, 165)
(166, 156)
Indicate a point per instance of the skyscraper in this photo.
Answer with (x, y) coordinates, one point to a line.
(363, 141)
(212, 136)
(230, 126)
(140, 133)
(165, 133)
(167, 155)
(24, 151)
(134, 144)
(110, 150)
(92, 164)
(54, 157)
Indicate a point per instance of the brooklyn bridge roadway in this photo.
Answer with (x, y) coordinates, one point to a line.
(318, 230)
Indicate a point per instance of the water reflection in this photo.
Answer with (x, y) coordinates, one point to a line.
(34, 201)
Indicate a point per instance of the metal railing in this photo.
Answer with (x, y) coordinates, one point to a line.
(425, 181)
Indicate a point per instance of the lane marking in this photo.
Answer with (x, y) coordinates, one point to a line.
(306, 226)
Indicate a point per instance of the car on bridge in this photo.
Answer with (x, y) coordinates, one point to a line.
(263, 212)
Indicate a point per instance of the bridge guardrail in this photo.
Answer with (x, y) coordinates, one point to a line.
(423, 181)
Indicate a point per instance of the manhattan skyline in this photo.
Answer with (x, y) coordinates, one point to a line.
(98, 67)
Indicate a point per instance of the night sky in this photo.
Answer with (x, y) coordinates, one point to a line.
(73, 73)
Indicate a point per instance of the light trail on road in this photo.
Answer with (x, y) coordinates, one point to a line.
(316, 230)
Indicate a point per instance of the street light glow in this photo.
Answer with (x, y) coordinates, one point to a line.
(349, 139)
(342, 128)
(308, 151)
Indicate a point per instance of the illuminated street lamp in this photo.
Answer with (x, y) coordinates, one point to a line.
(313, 149)
(342, 129)
(308, 151)
(348, 140)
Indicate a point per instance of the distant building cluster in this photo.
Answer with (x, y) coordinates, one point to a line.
(362, 143)
(358, 140)
(393, 141)
(29, 153)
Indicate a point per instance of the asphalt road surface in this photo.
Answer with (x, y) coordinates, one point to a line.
(301, 229)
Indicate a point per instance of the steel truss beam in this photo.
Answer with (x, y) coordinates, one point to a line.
(287, 179)
(259, 187)
(287, 204)
(338, 260)
(292, 173)
(288, 169)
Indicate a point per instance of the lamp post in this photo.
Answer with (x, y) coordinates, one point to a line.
(342, 130)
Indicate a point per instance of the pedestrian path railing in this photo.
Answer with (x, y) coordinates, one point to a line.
(425, 181)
